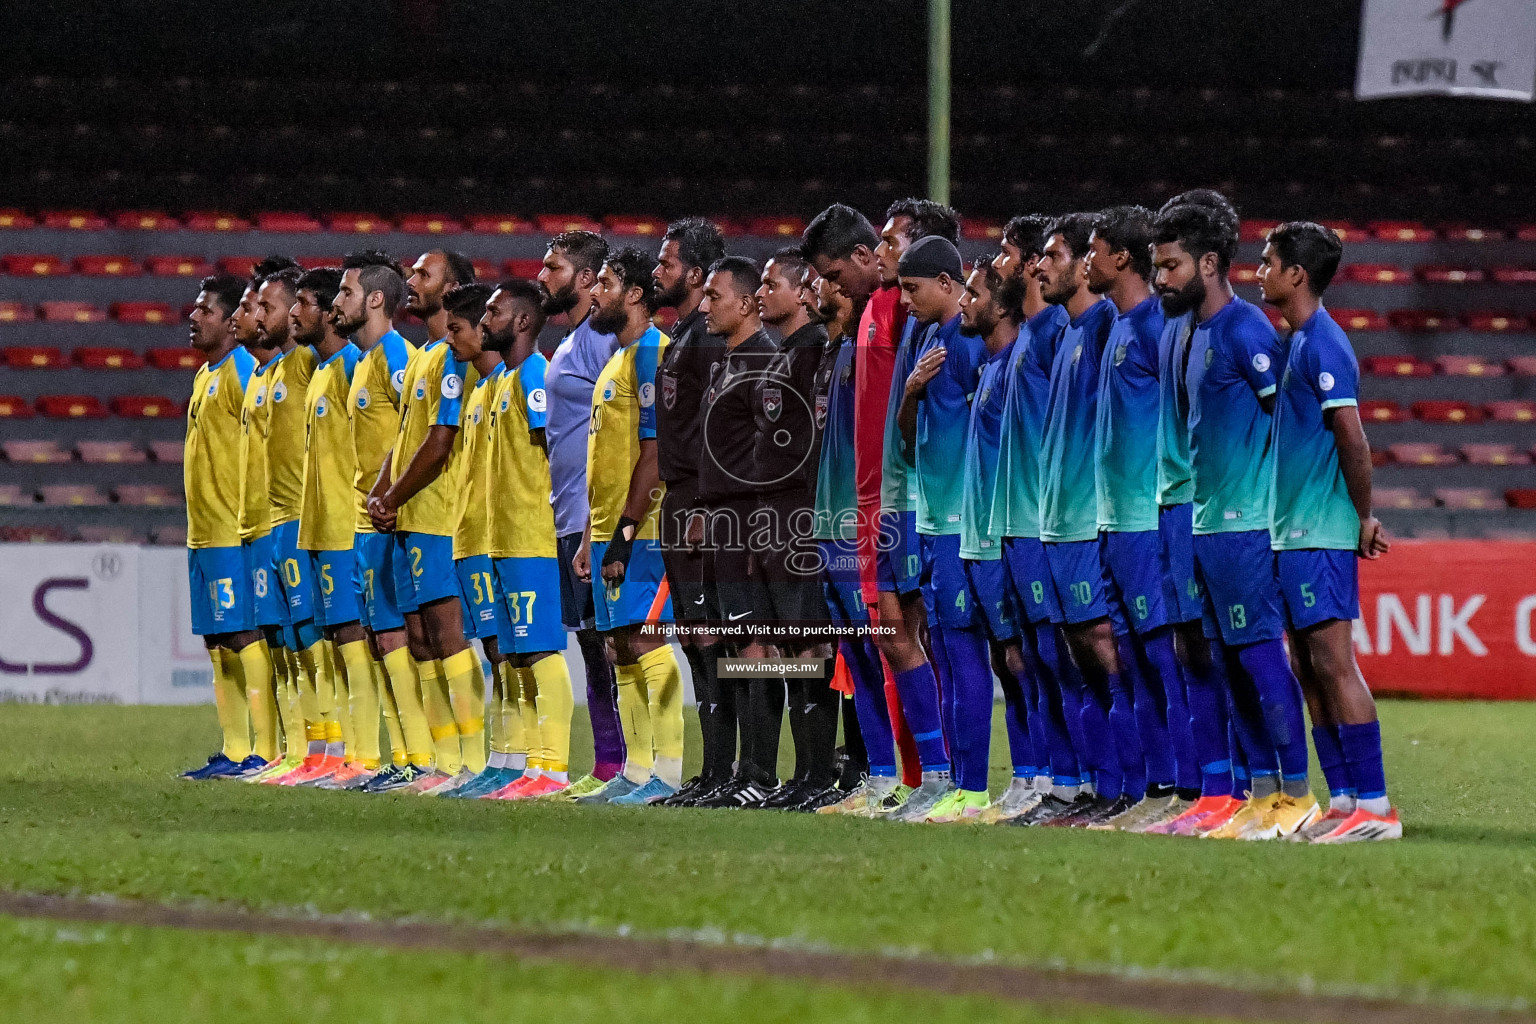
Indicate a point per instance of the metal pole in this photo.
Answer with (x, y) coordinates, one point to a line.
(938, 100)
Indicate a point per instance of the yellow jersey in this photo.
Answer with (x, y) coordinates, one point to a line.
(290, 375)
(255, 427)
(473, 537)
(325, 522)
(435, 386)
(623, 415)
(374, 406)
(522, 517)
(211, 464)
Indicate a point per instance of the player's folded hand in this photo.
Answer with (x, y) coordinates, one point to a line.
(616, 554)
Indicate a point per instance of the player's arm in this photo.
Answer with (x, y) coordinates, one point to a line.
(424, 467)
(926, 369)
(1257, 352)
(1355, 463)
(581, 564)
(644, 482)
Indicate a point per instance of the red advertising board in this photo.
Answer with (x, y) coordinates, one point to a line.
(1450, 619)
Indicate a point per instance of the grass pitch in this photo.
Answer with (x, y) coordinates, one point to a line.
(88, 805)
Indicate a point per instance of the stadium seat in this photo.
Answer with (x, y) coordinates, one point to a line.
(625, 226)
(1514, 275)
(1469, 366)
(316, 262)
(96, 357)
(1440, 273)
(1276, 321)
(554, 223)
(178, 266)
(1422, 320)
(1525, 233)
(428, 224)
(1496, 323)
(74, 220)
(211, 220)
(240, 266)
(1245, 273)
(16, 312)
(1378, 410)
(71, 407)
(776, 227)
(142, 313)
(34, 357)
(71, 312)
(1397, 366)
(1375, 273)
(528, 269)
(1486, 454)
(175, 358)
(1468, 498)
(287, 222)
(1441, 410)
(1466, 233)
(16, 219)
(14, 407)
(170, 536)
(1360, 320)
(14, 494)
(1420, 453)
(170, 452)
(1346, 231)
(502, 225)
(1399, 497)
(1522, 366)
(1257, 230)
(1511, 411)
(144, 407)
(146, 494)
(112, 535)
(1521, 497)
(37, 451)
(976, 230)
(33, 265)
(110, 452)
(485, 271)
(145, 220)
(357, 223)
(1400, 231)
(34, 534)
(106, 266)
(71, 495)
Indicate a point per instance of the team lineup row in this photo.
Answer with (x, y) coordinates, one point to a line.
(1085, 468)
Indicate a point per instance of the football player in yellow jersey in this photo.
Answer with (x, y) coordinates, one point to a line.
(222, 604)
(417, 498)
(619, 545)
(372, 288)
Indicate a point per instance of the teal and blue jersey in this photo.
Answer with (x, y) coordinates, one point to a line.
(837, 499)
(1125, 431)
(977, 541)
(943, 419)
(1309, 503)
(1069, 503)
(1175, 483)
(1016, 491)
(898, 484)
(1234, 360)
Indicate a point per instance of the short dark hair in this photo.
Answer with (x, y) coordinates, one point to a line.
(264, 269)
(1312, 247)
(460, 267)
(792, 259)
(1128, 229)
(928, 218)
(325, 282)
(1074, 228)
(1199, 229)
(585, 249)
(635, 268)
(1007, 292)
(227, 288)
(1027, 233)
(288, 277)
(1206, 197)
(466, 301)
(380, 272)
(523, 290)
(835, 232)
(699, 242)
(745, 274)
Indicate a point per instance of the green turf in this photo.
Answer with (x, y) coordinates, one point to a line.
(87, 804)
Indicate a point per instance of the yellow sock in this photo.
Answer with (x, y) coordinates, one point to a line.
(288, 712)
(466, 691)
(635, 720)
(325, 682)
(341, 698)
(514, 739)
(405, 685)
(363, 701)
(664, 687)
(390, 712)
(495, 725)
(434, 699)
(256, 675)
(528, 716)
(556, 704)
(309, 697)
(229, 701)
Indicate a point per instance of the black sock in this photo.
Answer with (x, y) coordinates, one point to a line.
(819, 707)
(795, 701)
(857, 758)
(720, 743)
(708, 705)
(764, 714)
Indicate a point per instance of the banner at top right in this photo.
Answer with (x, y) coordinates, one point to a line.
(1483, 48)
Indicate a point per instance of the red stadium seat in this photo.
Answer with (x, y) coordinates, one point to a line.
(1420, 453)
(33, 357)
(1378, 410)
(643, 227)
(1442, 273)
(1360, 320)
(316, 262)
(178, 266)
(1443, 410)
(99, 534)
(42, 451)
(16, 312)
(1397, 366)
(240, 266)
(1375, 273)
(71, 407)
(1400, 231)
(144, 407)
(1526, 233)
(1497, 323)
(101, 357)
(1399, 497)
(554, 223)
(729, 228)
(1522, 366)
(1494, 455)
(13, 218)
(74, 220)
(1466, 233)
(1380, 457)
(146, 494)
(1467, 498)
(1469, 366)
(504, 224)
(145, 220)
(1257, 230)
(428, 224)
(110, 452)
(71, 313)
(174, 536)
(1514, 275)
(1276, 321)
(143, 313)
(1511, 411)
(286, 222)
(14, 407)
(14, 494)
(34, 534)
(33, 265)
(169, 452)
(1346, 231)
(981, 230)
(1521, 497)
(213, 220)
(72, 495)
(1244, 273)
(528, 269)
(175, 358)
(776, 227)
(357, 223)
(1422, 320)
(485, 271)
(106, 266)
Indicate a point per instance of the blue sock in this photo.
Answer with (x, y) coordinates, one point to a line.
(1047, 658)
(1074, 691)
(1147, 705)
(941, 671)
(1018, 698)
(1094, 707)
(863, 663)
(1253, 737)
(1330, 758)
(1164, 671)
(1206, 691)
(1281, 701)
(920, 703)
(1123, 729)
(1362, 752)
(970, 672)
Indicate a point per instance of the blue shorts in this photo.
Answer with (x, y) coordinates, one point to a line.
(293, 573)
(576, 605)
(1176, 530)
(335, 576)
(261, 564)
(424, 570)
(477, 593)
(989, 596)
(220, 588)
(528, 619)
(840, 582)
(1030, 588)
(946, 594)
(898, 553)
(629, 604)
(1318, 585)
(1082, 583)
(1135, 568)
(1241, 594)
(376, 569)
